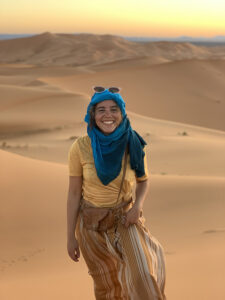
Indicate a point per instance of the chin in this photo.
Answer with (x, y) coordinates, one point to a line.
(108, 132)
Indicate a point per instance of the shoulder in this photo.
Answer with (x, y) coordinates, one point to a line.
(81, 140)
(81, 143)
(84, 141)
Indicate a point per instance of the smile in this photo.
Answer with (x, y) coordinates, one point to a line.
(108, 122)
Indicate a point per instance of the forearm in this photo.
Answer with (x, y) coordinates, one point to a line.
(135, 212)
(73, 205)
(141, 192)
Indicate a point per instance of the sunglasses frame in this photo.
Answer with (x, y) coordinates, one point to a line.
(118, 89)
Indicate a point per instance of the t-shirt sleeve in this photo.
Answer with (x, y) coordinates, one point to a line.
(74, 160)
(144, 177)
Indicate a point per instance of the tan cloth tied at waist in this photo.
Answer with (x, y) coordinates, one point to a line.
(102, 218)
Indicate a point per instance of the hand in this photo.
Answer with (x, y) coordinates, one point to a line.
(73, 249)
(132, 216)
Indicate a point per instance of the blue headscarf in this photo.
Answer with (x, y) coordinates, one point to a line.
(108, 150)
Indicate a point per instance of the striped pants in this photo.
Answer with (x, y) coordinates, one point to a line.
(126, 263)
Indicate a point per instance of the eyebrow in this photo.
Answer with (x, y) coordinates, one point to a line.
(113, 106)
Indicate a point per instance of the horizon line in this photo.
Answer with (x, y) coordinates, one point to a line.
(131, 36)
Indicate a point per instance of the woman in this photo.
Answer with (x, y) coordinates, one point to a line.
(123, 258)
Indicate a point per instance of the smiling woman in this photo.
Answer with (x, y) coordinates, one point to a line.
(104, 221)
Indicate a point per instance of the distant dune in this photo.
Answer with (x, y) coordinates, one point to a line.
(83, 49)
(187, 91)
(208, 41)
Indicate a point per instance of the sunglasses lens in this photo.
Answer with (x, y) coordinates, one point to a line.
(99, 89)
(114, 89)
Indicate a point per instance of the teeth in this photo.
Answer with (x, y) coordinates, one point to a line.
(108, 122)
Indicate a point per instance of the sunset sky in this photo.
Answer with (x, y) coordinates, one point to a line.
(120, 17)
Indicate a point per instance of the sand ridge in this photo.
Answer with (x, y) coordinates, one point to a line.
(90, 49)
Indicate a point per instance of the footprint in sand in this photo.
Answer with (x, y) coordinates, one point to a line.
(22, 258)
(35, 252)
(4, 263)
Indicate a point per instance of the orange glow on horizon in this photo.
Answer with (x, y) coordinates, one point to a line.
(127, 18)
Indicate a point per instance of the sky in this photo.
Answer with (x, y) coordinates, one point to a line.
(159, 18)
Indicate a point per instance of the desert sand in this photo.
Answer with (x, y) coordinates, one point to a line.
(175, 97)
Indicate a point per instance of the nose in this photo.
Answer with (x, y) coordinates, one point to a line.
(107, 112)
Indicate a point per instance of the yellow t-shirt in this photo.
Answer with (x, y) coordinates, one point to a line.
(81, 163)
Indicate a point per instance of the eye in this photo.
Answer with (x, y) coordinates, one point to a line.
(100, 110)
(114, 109)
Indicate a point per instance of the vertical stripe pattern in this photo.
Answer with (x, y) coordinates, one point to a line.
(125, 264)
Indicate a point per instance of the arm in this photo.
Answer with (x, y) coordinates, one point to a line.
(134, 213)
(141, 191)
(73, 204)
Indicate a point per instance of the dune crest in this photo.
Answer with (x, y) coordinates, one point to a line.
(83, 49)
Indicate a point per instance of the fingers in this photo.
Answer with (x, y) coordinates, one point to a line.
(77, 254)
(74, 254)
(125, 221)
(128, 220)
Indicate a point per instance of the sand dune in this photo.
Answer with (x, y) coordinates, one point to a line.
(34, 221)
(20, 80)
(33, 232)
(83, 49)
(24, 109)
(189, 206)
(175, 100)
(186, 91)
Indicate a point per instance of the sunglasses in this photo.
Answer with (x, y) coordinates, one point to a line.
(112, 89)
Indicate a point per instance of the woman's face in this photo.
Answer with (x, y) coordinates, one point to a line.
(107, 116)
